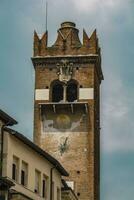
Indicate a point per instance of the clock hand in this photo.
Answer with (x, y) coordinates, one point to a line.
(63, 147)
(65, 141)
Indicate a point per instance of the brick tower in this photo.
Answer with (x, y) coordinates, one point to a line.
(66, 109)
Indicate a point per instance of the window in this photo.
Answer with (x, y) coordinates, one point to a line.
(22, 177)
(61, 91)
(13, 171)
(24, 173)
(15, 168)
(44, 186)
(71, 91)
(57, 91)
(37, 181)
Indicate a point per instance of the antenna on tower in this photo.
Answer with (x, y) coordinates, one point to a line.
(46, 14)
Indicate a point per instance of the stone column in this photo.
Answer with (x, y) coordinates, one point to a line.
(64, 92)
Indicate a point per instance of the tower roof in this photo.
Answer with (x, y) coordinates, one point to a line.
(68, 24)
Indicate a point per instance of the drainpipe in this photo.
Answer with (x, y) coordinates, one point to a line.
(51, 182)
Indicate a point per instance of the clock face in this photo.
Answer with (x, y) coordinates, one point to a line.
(62, 122)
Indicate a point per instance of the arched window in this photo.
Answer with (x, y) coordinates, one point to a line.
(72, 91)
(57, 91)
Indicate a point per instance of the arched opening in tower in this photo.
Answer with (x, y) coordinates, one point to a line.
(72, 91)
(57, 92)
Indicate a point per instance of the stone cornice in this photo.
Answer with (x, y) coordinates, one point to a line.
(76, 59)
(90, 58)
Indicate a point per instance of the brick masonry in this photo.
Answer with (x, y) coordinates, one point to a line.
(82, 159)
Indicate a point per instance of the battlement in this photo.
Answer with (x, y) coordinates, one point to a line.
(67, 42)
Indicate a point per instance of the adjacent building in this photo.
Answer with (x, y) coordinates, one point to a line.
(28, 172)
(5, 184)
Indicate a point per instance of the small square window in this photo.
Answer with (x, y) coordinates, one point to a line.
(24, 173)
(37, 181)
(45, 186)
(15, 169)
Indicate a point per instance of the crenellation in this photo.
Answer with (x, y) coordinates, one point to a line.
(67, 42)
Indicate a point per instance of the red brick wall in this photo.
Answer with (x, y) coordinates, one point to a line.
(82, 160)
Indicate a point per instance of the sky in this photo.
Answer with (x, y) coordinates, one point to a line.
(114, 20)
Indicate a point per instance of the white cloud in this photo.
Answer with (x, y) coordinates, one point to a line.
(92, 5)
(117, 126)
(84, 5)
